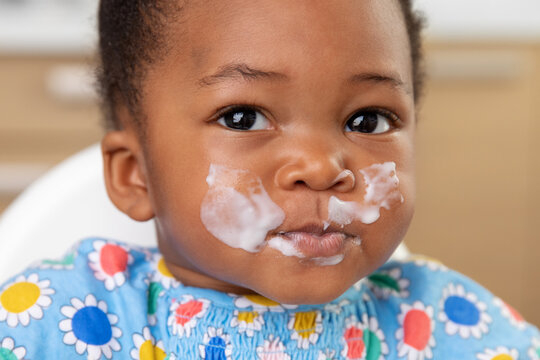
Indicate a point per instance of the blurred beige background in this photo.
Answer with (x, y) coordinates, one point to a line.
(478, 171)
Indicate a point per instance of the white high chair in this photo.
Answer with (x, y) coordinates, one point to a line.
(67, 204)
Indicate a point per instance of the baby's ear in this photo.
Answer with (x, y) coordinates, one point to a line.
(124, 172)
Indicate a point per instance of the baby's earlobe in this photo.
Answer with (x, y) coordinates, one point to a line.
(124, 175)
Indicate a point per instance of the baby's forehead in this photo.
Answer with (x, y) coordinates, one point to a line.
(278, 35)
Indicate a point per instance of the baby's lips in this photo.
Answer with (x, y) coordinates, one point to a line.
(316, 246)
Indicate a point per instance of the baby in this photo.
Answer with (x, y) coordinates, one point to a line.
(273, 143)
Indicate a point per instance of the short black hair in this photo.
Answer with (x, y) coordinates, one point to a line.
(132, 36)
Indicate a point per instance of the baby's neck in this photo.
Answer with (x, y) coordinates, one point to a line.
(192, 278)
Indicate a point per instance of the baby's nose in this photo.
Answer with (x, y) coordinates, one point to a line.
(316, 169)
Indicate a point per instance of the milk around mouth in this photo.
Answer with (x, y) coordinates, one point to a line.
(238, 211)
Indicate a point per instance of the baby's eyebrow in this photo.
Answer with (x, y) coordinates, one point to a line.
(239, 70)
(393, 80)
(243, 71)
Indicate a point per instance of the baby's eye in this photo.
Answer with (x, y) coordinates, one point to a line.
(244, 118)
(370, 122)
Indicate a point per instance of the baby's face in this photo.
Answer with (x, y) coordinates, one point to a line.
(277, 133)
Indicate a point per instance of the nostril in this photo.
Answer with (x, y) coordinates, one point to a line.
(299, 184)
(343, 186)
(345, 179)
(317, 176)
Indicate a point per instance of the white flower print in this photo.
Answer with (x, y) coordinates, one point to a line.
(272, 349)
(463, 313)
(500, 353)
(415, 335)
(8, 350)
(110, 263)
(90, 328)
(185, 314)
(247, 322)
(386, 283)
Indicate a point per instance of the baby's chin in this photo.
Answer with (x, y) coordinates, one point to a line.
(288, 280)
(304, 298)
(304, 292)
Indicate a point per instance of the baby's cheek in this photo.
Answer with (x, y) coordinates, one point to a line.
(237, 209)
(382, 190)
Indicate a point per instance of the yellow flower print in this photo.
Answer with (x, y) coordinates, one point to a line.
(23, 299)
(146, 348)
(500, 353)
(247, 322)
(306, 327)
(162, 274)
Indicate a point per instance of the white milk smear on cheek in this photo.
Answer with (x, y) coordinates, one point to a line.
(237, 209)
(382, 190)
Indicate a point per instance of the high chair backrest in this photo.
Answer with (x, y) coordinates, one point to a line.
(67, 204)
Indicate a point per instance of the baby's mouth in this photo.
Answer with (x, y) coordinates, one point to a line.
(313, 241)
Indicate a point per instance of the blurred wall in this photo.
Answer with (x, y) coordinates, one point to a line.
(478, 171)
(477, 166)
(47, 112)
(48, 109)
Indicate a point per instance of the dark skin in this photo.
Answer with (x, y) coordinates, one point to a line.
(306, 70)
